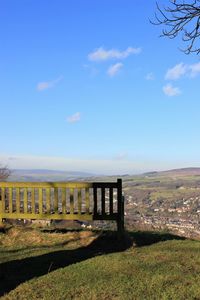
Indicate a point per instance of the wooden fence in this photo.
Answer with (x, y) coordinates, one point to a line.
(84, 201)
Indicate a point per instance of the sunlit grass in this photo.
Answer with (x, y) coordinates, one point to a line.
(169, 270)
(163, 268)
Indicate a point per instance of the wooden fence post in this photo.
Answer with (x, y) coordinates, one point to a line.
(120, 208)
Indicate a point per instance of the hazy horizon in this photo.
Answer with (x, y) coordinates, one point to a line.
(103, 167)
(88, 174)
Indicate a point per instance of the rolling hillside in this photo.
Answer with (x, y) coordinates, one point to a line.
(95, 265)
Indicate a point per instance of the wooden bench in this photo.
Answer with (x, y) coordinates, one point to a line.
(84, 201)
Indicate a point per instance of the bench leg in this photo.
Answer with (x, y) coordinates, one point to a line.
(120, 218)
(1, 210)
(120, 226)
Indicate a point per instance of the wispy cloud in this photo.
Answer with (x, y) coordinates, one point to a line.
(102, 54)
(74, 118)
(121, 156)
(176, 72)
(171, 91)
(181, 69)
(93, 71)
(194, 69)
(44, 85)
(114, 69)
(150, 76)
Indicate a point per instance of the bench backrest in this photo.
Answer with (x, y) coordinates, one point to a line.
(62, 201)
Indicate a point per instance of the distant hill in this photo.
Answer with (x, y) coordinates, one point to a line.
(46, 175)
(182, 172)
(175, 172)
(56, 175)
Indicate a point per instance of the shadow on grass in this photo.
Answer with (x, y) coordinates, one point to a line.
(147, 238)
(15, 272)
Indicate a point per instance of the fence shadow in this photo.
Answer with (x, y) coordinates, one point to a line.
(15, 272)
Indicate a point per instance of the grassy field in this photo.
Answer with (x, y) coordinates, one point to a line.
(51, 264)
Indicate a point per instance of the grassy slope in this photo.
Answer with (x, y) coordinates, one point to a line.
(160, 269)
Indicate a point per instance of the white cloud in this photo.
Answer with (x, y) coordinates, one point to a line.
(150, 76)
(181, 69)
(41, 86)
(101, 54)
(170, 91)
(176, 72)
(114, 69)
(194, 69)
(74, 118)
(121, 156)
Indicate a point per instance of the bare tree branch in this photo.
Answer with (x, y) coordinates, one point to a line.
(181, 17)
(4, 173)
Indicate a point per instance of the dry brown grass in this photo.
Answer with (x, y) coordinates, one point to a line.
(17, 237)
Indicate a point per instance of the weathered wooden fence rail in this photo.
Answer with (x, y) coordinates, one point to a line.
(62, 201)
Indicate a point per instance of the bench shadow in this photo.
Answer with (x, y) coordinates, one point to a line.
(15, 272)
(147, 238)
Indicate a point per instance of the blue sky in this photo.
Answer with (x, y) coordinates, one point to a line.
(90, 86)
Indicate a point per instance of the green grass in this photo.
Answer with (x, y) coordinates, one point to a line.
(96, 265)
